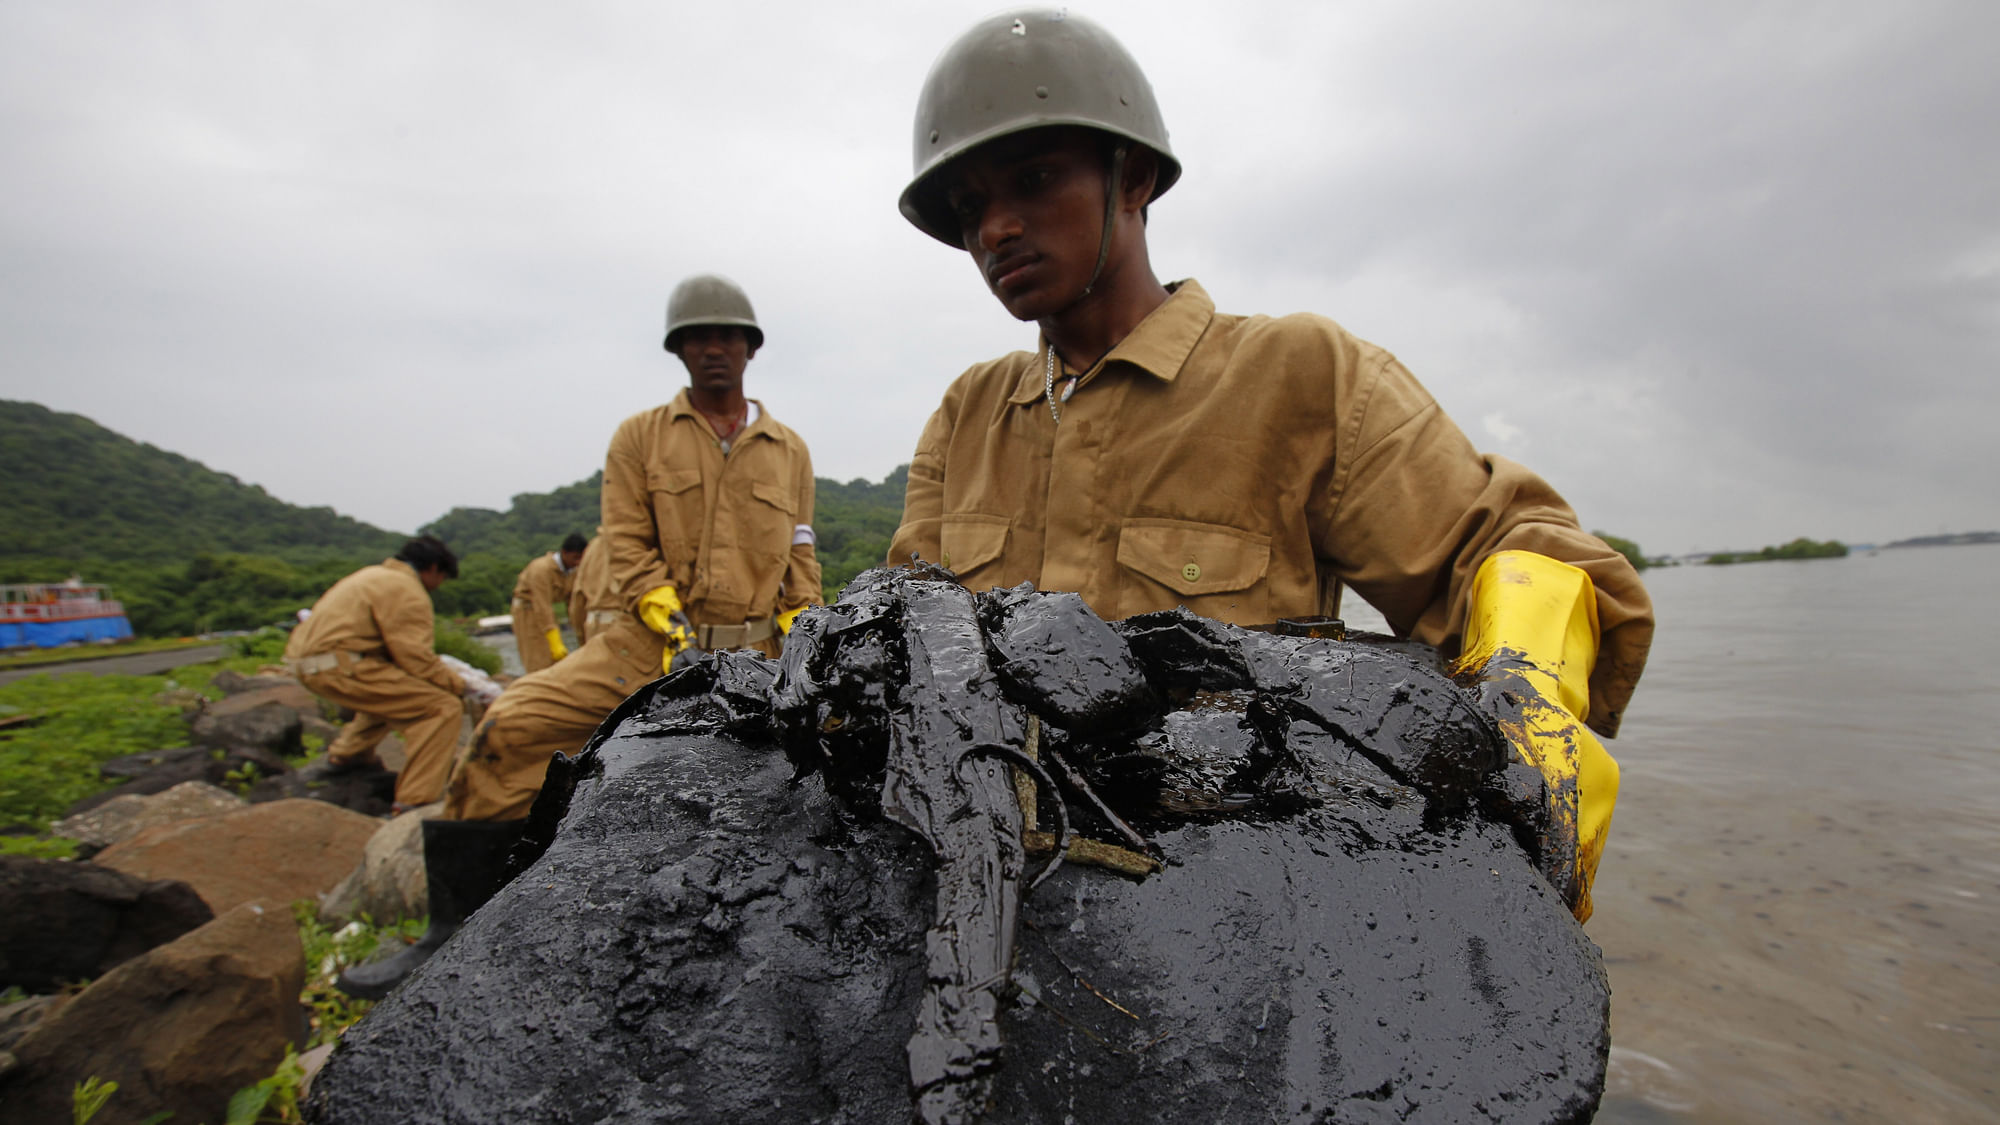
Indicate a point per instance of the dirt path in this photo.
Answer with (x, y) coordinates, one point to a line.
(138, 664)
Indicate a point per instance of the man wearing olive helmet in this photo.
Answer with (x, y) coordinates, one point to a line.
(707, 535)
(1151, 452)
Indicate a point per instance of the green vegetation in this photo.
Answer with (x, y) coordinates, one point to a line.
(534, 524)
(451, 640)
(38, 847)
(189, 550)
(1625, 547)
(77, 490)
(275, 1098)
(89, 1097)
(854, 522)
(85, 720)
(1796, 549)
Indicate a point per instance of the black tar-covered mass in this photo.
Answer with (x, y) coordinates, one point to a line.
(826, 888)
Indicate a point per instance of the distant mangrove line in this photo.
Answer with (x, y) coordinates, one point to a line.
(1796, 549)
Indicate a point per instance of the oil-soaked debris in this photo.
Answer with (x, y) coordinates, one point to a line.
(801, 891)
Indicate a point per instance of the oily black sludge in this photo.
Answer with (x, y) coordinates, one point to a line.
(807, 891)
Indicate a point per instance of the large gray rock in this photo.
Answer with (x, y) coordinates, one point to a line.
(389, 884)
(753, 904)
(62, 922)
(20, 1017)
(127, 815)
(270, 725)
(180, 1028)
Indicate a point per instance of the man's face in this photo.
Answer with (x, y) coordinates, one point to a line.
(715, 356)
(1030, 208)
(570, 559)
(432, 577)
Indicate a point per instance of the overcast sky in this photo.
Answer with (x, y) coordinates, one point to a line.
(1725, 273)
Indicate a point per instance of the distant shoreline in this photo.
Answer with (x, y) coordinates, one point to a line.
(1960, 539)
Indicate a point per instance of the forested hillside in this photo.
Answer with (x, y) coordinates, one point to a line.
(76, 490)
(190, 550)
(854, 522)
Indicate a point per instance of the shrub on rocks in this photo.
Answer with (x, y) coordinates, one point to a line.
(179, 1029)
(63, 922)
(283, 851)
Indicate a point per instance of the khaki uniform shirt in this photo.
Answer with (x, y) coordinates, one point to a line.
(379, 611)
(1246, 468)
(541, 585)
(592, 588)
(717, 527)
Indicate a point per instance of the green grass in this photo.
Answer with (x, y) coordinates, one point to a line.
(85, 721)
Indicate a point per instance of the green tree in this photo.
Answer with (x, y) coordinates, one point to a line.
(1625, 547)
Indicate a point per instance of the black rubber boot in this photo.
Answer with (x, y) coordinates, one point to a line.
(465, 863)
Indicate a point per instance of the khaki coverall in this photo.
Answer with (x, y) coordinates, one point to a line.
(1246, 468)
(593, 596)
(730, 531)
(541, 585)
(369, 645)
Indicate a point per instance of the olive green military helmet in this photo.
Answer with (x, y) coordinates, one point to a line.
(709, 298)
(1023, 70)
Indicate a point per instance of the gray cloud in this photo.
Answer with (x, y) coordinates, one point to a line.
(1725, 275)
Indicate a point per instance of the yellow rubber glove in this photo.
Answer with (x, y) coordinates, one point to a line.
(784, 620)
(661, 610)
(556, 647)
(1530, 640)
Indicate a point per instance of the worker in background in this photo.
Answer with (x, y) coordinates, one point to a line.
(1151, 452)
(593, 598)
(542, 584)
(369, 644)
(708, 505)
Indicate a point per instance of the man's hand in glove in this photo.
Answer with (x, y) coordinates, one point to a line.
(1530, 641)
(661, 610)
(556, 648)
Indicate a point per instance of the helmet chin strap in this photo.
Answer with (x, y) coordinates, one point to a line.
(1114, 190)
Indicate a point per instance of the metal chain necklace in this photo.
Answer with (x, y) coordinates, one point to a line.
(1049, 384)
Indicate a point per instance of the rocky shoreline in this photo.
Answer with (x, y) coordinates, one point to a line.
(183, 909)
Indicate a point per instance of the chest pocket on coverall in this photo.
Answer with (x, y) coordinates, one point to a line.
(678, 513)
(970, 541)
(1213, 570)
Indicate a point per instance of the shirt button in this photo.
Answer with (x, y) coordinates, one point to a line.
(1191, 572)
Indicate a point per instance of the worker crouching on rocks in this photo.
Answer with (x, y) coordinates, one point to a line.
(1151, 452)
(369, 644)
(707, 505)
(542, 584)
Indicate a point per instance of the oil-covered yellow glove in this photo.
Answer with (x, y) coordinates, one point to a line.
(661, 610)
(784, 620)
(1530, 641)
(556, 647)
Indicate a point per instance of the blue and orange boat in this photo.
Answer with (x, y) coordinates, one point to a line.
(59, 613)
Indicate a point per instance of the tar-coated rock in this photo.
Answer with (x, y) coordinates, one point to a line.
(734, 920)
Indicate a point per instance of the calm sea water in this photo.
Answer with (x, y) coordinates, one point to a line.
(1800, 902)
